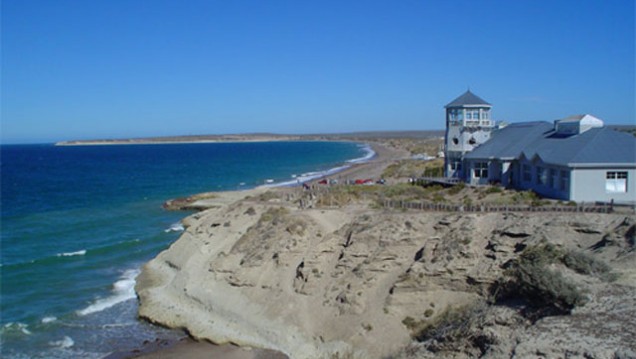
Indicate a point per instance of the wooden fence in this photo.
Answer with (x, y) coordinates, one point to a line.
(446, 207)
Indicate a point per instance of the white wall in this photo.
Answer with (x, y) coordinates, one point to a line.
(588, 185)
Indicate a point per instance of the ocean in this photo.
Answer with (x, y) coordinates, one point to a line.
(77, 224)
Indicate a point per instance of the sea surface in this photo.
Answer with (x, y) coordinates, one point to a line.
(78, 223)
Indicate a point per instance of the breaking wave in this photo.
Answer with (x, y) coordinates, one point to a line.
(123, 290)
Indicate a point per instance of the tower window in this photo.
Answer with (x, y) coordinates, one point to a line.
(455, 140)
(472, 141)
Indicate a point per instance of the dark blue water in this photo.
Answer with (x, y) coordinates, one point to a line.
(78, 223)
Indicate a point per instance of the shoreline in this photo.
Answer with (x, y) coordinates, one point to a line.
(189, 347)
(353, 169)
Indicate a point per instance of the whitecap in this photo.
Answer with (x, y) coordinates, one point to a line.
(123, 290)
(21, 327)
(175, 227)
(46, 320)
(71, 254)
(67, 342)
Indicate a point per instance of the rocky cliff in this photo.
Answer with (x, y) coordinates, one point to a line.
(372, 283)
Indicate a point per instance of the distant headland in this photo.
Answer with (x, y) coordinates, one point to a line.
(254, 137)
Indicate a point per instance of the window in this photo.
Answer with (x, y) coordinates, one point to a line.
(616, 182)
(455, 140)
(527, 174)
(565, 181)
(553, 179)
(475, 114)
(455, 165)
(481, 170)
(469, 115)
(541, 175)
(484, 115)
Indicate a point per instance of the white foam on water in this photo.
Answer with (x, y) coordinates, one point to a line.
(72, 254)
(367, 156)
(123, 290)
(67, 342)
(175, 227)
(46, 320)
(17, 326)
(309, 176)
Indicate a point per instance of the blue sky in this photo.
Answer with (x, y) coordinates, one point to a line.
(119, 68)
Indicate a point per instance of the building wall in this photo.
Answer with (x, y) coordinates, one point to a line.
(545, 179)
(590, 185)
(558, 182)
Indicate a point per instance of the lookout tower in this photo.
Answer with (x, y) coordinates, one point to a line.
(468, 125)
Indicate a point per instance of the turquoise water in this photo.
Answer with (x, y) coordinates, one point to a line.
(78, 223)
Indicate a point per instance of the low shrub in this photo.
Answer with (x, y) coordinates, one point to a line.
(585, 264)
(546, 291)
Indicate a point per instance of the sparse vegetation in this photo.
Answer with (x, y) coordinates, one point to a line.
(452, 326)
(434, 170)
(585, 264)
(414, 168)
(268, 196)
(546, 291)
(456, 188)
(274, 214)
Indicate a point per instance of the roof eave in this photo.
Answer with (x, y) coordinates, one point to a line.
(627, 165)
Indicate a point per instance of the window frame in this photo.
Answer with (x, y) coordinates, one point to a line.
(616, 182)
(480, 169)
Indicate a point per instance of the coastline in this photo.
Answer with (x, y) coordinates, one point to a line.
(188, 347)
(191, 348)
(255, 269)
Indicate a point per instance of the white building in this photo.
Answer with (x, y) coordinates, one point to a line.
(576, 158)
(468, 124)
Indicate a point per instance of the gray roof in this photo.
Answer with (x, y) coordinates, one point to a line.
(468, 99)
(595, 147)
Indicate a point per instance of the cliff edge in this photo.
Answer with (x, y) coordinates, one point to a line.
(354, 281)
